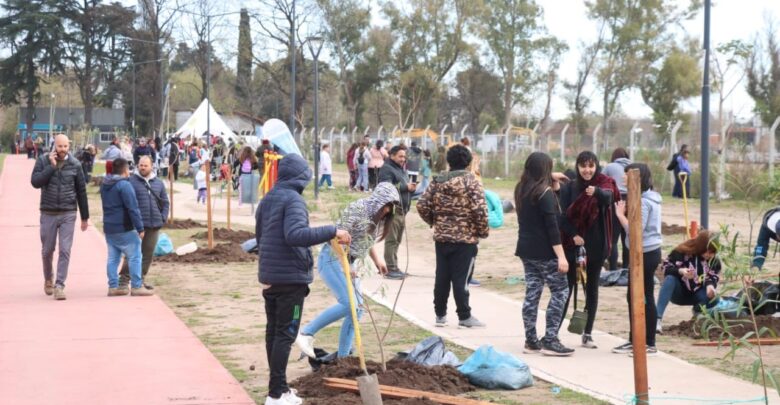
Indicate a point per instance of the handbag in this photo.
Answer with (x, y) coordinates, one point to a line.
(578, 318)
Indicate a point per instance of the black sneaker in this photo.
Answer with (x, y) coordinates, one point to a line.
(395, 275)
(532, 346)
(587, 341)
(651, 351)
(441, 321)
(553, 347)
(625, 348)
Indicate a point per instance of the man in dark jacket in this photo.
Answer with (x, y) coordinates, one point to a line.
(61, 180)
(393, 172)
(413, 160)
(123, 227)
(153, 204)
(284, 241)
(143, 149)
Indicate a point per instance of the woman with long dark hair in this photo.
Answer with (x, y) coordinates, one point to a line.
(651, 252)
(368, 221)
(692, 272)
(539, 247)
(616, 169)
(378, 156)
(586, 221)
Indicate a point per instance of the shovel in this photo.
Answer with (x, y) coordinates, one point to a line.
(367, 384)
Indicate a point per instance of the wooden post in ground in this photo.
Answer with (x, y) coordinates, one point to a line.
(637, 287)
(170, 194)
(208, 205)
(230, 188)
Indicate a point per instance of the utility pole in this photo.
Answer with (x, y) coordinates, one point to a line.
(293, 52)
(705, 122)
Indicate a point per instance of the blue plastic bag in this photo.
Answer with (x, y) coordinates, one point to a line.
(164, 245)
(491, 369)
(495, 209)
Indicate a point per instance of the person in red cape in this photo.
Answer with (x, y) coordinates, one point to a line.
(586, 220)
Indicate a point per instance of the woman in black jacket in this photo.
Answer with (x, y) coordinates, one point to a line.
(586, 220)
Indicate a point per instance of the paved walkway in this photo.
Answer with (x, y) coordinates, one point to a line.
(598, 372)
(90, 349)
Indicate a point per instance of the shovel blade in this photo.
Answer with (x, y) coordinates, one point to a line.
(369, 390)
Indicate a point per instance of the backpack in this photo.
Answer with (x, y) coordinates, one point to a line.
(361, 156)
(673, 164)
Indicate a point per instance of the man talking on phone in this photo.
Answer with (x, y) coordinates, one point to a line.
(393, 172)
(59, 176)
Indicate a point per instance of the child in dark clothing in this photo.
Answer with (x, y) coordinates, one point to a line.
(284, 239)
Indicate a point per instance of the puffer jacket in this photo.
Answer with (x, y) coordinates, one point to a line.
(454, 205)
(284, 238)
(62, 189)
(120, 206)
(394, 174)
(154, 214)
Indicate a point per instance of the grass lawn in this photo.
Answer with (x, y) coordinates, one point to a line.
(2, 161)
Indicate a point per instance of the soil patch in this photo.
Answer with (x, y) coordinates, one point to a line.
(439, 379)
(221, 253)
(672, 229)
(692, 328)
(227, 235)
(184, 224)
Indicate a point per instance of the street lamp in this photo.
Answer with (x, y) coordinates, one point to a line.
(315, 46)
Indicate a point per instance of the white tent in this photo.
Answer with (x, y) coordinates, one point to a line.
(198, 121)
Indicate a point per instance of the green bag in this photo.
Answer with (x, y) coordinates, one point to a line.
(578, 318)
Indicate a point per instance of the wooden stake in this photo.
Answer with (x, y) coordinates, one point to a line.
(230, 188)
(208, 205)
(170, 194)
(637, 286)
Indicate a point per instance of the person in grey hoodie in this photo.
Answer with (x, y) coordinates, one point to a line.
(111, 153)
(651, 252)
(617, 171)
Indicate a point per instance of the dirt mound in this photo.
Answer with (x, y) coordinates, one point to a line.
(672, 229)
(439, 379)
(183, 224)
(226, 235)
(222, 253)
(692, 328)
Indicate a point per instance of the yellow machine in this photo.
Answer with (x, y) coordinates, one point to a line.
(420, 133)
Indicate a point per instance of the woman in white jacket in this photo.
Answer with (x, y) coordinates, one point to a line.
(326, 167)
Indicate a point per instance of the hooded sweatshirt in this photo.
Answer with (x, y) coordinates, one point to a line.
(358, 216)
(651, 221)
(454, 205)
(120, 206)
(284, 238)
(617, 170)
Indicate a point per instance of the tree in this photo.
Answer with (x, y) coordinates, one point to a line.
(33, 50)
(553, 49)
(763, 74)
(430, 40)
(510, 29)
(94, 25)
(116, 52)
(677, 79)
(346, 22)
(372, 70)
(479, 93)
(244, 60)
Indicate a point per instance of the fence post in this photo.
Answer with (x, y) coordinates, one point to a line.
(341, 139)
(354, 132)
(595, 138)
(720, 187)
(463, 133)
(772, 149)
(484, 147)
(379, 131)
(506, 151)
(563, 143)
(535, 137)
(673, 145)
(441, 134)
(632, 140)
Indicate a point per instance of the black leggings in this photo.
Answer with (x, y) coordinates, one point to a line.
(651, 260)
(593, 271)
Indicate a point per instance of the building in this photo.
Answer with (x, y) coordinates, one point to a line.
(106, 123)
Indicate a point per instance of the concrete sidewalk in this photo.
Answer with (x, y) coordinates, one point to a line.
(598, 373)
(90, 349)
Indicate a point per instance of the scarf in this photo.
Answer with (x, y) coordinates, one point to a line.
(584, 211)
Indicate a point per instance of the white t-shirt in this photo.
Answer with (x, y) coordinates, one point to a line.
(772, 221)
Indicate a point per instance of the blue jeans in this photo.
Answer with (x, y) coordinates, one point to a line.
(673, 290)
(333, 276)
(129, 244)
(762, 246)
(362, 180)
(326, 179)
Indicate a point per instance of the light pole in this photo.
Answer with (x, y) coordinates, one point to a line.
(294, 56)
(315, 46)
(51, 121)
(705, 123)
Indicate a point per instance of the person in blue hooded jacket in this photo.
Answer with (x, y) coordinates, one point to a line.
(284, 241)
(123, 227)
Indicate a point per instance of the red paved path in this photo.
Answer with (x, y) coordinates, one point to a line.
(90, 349)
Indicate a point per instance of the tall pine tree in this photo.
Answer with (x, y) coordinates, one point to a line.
(35, 32)
(244, 68)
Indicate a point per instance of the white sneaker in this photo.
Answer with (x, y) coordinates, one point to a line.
(658, 328)
(306, 344)
(292, 398)
(278, 401)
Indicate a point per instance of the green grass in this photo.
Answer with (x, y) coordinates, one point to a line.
(2, 161)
